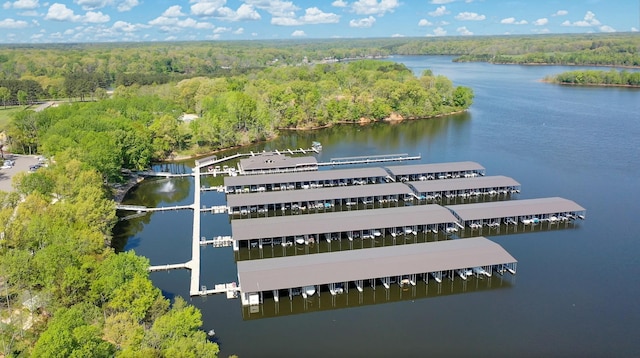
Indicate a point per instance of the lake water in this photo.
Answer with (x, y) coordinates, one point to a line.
(576, 290)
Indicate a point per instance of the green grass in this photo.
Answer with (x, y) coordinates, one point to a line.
(6, 114)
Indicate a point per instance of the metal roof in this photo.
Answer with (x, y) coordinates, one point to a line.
(271, 160)
(292, 225)
(317, 194)
(333, 174)
(351, 265)
(434, 168)
(525, 207)
(463, 183)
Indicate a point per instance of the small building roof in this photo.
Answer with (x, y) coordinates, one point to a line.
(351, 265)
(292, 225)
(434, 168)
(332, 174)
(317, 194)
(524, 207)
(463, 183)
(272, 160)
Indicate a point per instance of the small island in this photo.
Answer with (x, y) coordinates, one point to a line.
(612, 78)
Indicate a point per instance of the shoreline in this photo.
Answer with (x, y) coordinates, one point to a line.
(394, 118)
(587, 84)
(120, 190)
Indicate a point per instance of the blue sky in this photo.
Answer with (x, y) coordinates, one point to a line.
(37, 21)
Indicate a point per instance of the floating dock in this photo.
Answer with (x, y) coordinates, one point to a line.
(370, 159)
(364, 266)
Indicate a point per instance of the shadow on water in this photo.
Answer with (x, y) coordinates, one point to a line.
(324, 300)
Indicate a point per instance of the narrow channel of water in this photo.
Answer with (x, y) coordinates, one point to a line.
(575, 291)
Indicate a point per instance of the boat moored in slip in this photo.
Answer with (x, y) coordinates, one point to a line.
(308, 291)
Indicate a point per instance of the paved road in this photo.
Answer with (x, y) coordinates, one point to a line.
(23, 162)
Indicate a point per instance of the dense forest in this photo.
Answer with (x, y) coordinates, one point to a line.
(142, 123)
(65, 293)
(597, 78)
(77, 70)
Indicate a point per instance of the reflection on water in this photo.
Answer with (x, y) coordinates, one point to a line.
(324, 300)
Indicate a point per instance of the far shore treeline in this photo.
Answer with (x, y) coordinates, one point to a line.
(597, 78)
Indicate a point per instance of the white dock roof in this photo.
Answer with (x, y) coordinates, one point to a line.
(271, 160)
(318, 194)
(525, 207)
(292, 225)
(351, 265)
(464, 183)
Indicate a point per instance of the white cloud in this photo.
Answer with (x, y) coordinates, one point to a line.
(560, 13)
(276, 8)
(96, 17)
(312, 16)
(298, 33)
(470, 16)
(60, 12)
(397, 35)
(373, 7)
(633, 29)
(513, 21)
(424, 22)
(464, 31)
(439, 31)
(22, 4)
(173, 11)
(339, 3)
(121, 5)
(541, 22)
(238, 31)
(123, 26)
(221, 30)
(439, 11)
(607, 28)
(365, 22)
(588, 20)
(215, 9)
(167, 22)
(12, 24)
(540, 31)
(441, 1)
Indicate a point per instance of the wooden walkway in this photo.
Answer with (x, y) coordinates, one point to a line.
(184, 265)
(218, 241)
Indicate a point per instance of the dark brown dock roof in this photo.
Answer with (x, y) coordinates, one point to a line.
(317, 194)
(514, 208)
(342, 266)
(464, 183)
(435, 168)
(282, 226)
(333, 174)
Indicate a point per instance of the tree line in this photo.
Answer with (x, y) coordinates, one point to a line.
(65, 292)
(597, 77)
(143, 123)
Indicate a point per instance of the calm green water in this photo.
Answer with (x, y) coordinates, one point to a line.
(576, 290)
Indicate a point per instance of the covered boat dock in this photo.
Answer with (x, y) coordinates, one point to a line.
(365, 224)
(464, 187)
(305, 180)
(326, 198)
(405, 264)
(275, 162)
(436, 171)
(526, 211)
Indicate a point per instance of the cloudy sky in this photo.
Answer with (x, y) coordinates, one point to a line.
(37, 21)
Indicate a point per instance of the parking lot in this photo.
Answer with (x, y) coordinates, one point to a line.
(22, 164)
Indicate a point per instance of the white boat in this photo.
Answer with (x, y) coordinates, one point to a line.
(377, 233)
(436, 277)
(299, 240)
(308, 291)
(462, 274)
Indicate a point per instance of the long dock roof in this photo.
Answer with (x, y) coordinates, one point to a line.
(333, 174)
(434, 168)
(503, 209)
(271, 160)
(351, 265)
(464, 183)
(292, 225)
(318, 194)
